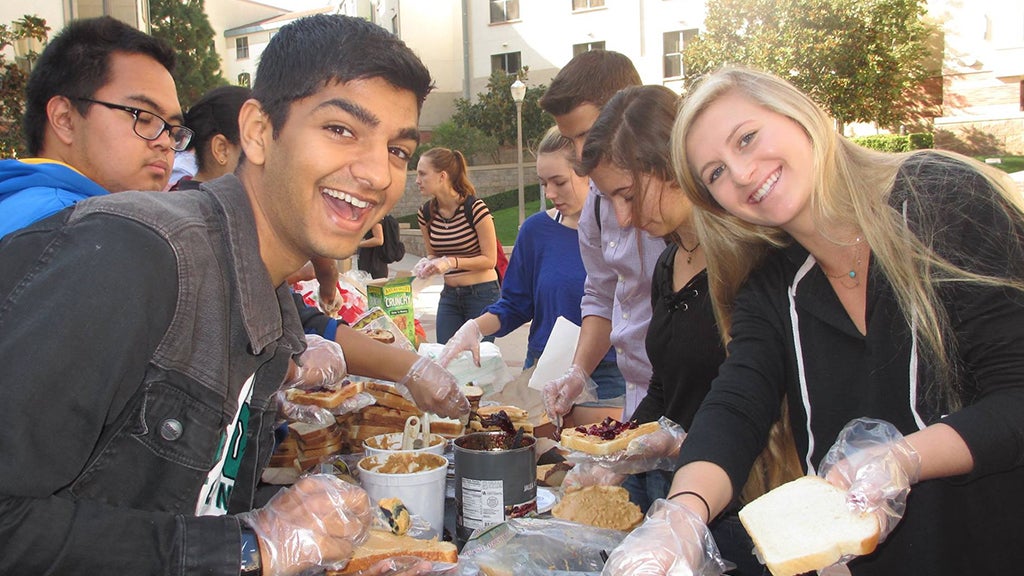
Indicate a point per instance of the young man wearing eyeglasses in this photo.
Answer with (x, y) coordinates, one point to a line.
(144, 335)
(102, 115)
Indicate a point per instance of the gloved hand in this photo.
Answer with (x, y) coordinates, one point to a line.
(590, 474)
(433, 266)
(876, 466)
(433, 389)
(561, 393)
(317, 522)
(467, 337)
(662, 445)
(672, 540)
(331, 303)
(322, 364)
(419, 268)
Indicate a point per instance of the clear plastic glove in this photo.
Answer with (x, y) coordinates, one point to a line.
(654, 451)
(876, 466)
(420, 267)
(433, 389)
(467, 337)
(433, 267)
(672, 540)
(317, 522)
(322, 364)
(590, 474)
(561, 393)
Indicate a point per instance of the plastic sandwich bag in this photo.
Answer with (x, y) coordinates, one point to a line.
(538, 546)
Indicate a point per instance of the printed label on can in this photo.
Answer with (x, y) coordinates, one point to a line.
(482, 503)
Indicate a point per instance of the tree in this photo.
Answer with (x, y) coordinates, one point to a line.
(494, 112)
(469, 140)
(857, 58)
(184, 24)
(13, 78)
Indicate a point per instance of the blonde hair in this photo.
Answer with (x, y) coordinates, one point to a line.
(851, 189)
(553, 142)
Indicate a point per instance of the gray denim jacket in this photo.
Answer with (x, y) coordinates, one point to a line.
(130, 508)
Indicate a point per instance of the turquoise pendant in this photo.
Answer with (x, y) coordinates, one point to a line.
(853, 273)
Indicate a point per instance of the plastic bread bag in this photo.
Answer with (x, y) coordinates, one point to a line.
(491, 375)
(407, 566)
(377, 319)
(535, 546)
(654, 451)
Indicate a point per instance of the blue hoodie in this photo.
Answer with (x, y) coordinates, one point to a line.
(33, 189)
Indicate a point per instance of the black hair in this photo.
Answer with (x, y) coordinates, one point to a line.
(312, 52)
(593, 77)
(216, 112)
(76, 63)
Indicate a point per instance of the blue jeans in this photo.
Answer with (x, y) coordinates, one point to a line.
(460, 304)
(610, 383)
(733, 542)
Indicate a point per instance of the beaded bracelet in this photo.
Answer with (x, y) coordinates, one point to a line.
(692, 493)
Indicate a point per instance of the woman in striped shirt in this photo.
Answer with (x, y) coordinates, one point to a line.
(458, 232)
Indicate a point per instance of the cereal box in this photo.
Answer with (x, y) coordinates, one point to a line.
(394, 297)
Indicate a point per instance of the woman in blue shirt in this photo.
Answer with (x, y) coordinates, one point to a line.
(545, 275)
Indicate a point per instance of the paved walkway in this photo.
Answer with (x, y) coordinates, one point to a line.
(425, 296)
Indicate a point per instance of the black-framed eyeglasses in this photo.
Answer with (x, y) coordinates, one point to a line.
(149, 126)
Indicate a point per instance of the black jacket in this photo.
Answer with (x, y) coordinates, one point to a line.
(832, 374)
(130, 323)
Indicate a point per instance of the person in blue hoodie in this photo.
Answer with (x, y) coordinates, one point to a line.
(104, 117)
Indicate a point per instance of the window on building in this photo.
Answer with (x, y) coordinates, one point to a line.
(578, 49)
(674, 44)
(245, 79)
(504, 10)
(509, 63)
(242, 48)
(587, 4)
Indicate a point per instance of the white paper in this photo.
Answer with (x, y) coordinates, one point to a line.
(558, 353)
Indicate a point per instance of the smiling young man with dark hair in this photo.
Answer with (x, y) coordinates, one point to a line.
(137, 432)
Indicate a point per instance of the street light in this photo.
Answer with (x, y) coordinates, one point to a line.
(518, 95)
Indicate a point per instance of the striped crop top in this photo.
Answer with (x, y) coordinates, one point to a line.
(455, 236)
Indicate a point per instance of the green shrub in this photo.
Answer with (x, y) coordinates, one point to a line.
(884, 142)
(897, 142)
(921, 140)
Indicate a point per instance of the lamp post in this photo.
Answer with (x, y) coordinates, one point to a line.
(518, 95)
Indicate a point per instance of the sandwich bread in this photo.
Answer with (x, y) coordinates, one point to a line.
(382, 545)
(806, 525)
(606, 437)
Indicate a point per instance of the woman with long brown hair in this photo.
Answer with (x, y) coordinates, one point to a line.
(458, 232)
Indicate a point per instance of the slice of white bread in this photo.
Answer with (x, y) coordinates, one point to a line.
(806, 525)
(382, 545)
(602, 506)
(575, 439)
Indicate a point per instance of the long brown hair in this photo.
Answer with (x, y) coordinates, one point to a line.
(452, 163)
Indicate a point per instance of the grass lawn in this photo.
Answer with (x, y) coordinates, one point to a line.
(506, 222)
(1009, 165)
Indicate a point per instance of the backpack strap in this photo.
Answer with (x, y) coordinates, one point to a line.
(467, 209)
